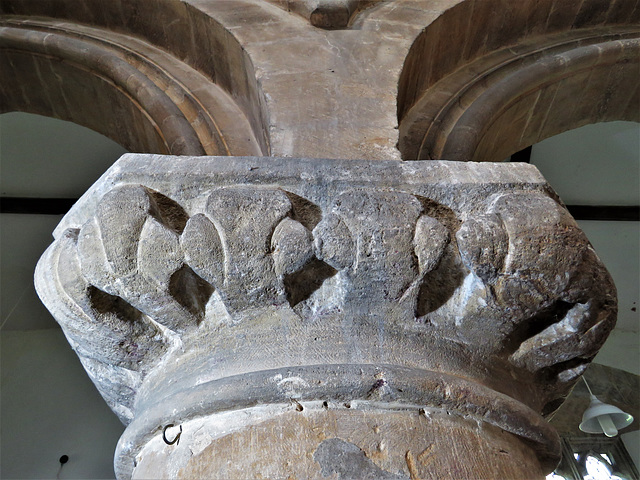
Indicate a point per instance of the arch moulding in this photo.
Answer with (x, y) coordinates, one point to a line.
(483, 90)
(105, 67)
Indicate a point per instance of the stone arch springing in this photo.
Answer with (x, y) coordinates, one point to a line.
(488, 78)
(123, 69)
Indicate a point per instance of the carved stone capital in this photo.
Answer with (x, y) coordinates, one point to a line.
(194, 286)
(328, 14)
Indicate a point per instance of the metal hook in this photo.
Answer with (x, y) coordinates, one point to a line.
(175, 440)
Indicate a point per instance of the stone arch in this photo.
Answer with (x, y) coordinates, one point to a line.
(488, 78)
(123, 68)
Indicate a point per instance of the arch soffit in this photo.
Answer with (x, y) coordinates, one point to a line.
(265, 56)
(232, 70)
(486, 78)
(123, 69)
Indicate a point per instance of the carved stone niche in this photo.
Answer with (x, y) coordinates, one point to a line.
(298, 318)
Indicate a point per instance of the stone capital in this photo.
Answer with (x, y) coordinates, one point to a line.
(195, 287)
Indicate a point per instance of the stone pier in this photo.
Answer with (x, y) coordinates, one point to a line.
(255, 317)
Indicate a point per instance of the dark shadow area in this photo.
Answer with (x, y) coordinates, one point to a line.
(301, 284)
(441, 212)
(439, 284)
(105, 303)
(524, 330)
(190, 291)
(305, 212)
(168, 212)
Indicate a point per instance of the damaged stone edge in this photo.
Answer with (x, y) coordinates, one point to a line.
(327, 14)
(416, 177)
(354, 386)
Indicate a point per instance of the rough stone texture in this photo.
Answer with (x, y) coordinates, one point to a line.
(525, 95)
(329, 14)
(341, 443)
(195, 288)
(417, 79)
(149, 100)
(486, 79)
(459, 286)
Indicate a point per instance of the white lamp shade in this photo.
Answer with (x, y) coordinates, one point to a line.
(604, 418)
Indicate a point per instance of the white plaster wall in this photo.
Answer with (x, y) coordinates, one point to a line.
(48, 405)
(50, 158)
(50, 408)
(631, 442)
(593, 165)
(616, 243)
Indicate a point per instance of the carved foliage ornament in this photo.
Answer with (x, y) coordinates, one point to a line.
(188, 267)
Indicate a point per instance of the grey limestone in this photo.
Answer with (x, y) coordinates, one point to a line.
(178, 277)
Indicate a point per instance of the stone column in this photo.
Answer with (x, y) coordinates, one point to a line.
(292, 318)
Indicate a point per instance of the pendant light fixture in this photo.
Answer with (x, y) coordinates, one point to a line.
(603, 418)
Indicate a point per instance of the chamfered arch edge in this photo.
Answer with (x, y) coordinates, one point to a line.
(172, 96)
(470, 90)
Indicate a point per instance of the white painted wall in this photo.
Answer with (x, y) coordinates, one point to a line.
(631, 442)
(49, 158)
(593, 165)
(50, 408)
(616, 243)
(48, 405)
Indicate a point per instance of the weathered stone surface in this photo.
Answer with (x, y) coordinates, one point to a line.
(341, 443)
(486, 105)
(196, 288)
(120, 248)
(329, 14)
(149, 100)
(456, 286)
(417, 79)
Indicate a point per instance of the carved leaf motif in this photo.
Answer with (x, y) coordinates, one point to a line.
(138, 261)
(292, 246)
(93, 258)
(115, 342)
(483, 245)
(575, 335)
(333, 242)
(159, 254)
(540, 268)
(203, 249)
(430, 239)
(390, 243)
(246, 218)
(120, 215)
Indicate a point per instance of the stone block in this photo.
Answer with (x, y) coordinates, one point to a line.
(222, 285)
